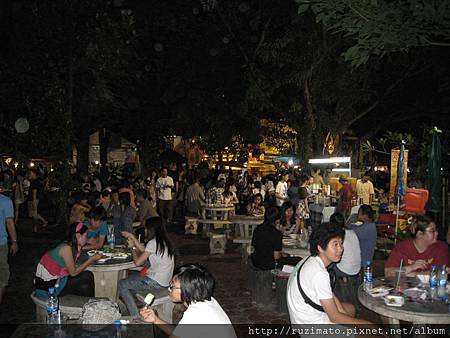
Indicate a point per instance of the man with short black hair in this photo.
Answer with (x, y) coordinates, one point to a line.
(145, 210)
(281, 191)
(165, 184)
(310, 296)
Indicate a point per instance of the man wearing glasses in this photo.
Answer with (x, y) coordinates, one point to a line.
(193, 285)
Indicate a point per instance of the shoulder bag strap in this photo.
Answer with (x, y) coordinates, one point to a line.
(305, 297)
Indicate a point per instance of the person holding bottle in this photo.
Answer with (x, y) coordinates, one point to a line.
(58, 267)
(420, 252)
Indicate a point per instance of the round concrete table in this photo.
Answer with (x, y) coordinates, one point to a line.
(424, 312)
(108, 274)
(214, 208)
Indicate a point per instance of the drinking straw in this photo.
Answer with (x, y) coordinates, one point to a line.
(399, 272)
(139, 238)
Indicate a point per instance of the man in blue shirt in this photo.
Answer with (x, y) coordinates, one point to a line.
(366, 233)
(6, 223)
(97, 229)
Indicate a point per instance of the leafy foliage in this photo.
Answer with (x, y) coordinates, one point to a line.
(379, 27)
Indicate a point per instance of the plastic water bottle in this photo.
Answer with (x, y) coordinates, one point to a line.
(112, 239)
(118, 325)
(442, 282)
(368, 277)
(52, 307)
(434, 283)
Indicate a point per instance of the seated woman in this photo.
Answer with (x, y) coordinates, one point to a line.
(256, 207)
(420, 252)
(229, 197)
(160, 254)
(193, 286)
(127, 216)
(289, 224)
(57, 268)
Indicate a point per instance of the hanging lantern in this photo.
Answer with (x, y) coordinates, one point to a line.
(22, 125)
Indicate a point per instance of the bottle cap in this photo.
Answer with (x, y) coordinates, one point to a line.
(117, 322)
(51, 290)
(368, 263)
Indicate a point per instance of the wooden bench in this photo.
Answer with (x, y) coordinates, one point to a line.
(162, 303)
(70, 306)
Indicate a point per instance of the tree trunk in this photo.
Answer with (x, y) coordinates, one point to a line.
(103, 136)
(83, 151)
(309, 125)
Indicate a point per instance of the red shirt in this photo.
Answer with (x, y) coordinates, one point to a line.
(437, 254)
(345, 197)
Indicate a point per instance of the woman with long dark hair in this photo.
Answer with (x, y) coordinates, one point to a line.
(160, 254)
(289, 223)
(57, 268)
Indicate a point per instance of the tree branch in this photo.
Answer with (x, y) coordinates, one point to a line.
(261, 39)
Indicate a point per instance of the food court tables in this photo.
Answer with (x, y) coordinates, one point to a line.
(214, 209)
(296, 251)
(245, 225)
(415, 310)
(320, 214)
(108, 274)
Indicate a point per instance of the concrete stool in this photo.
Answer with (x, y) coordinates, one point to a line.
(280, 293)
(217, 243)
(260, 282)
(69, 306)
(191, 225)
(162, 303)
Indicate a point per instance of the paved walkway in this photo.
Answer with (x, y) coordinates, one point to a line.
(230, 274)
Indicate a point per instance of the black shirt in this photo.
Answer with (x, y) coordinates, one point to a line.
(266, 239)
(35, 185)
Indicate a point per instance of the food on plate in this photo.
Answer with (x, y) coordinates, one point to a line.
(94, 252)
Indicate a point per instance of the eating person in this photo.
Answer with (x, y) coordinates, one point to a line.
(420, 252)
(158, 252)
(58, 267)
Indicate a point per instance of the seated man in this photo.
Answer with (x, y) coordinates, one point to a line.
(146, 210)
(97, 229)
(310, 297)
(267, 243)
(420, 252)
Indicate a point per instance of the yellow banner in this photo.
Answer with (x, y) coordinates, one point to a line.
(395, 153)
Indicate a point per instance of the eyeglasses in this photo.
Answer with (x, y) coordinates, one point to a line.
(172, 286)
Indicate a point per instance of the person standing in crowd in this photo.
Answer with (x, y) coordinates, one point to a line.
(6, 227)
(160, 254)
(318, 178)
(19, 195)
(165, 184)
(420, 252)
(34, 195)
(310, 297)
(345, 197)
(282, 189)
(364, 190)
(302, 211)
(195, 198)
(366, 232)
(193, 286)
(58, 269)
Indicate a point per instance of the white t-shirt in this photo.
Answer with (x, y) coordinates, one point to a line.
(165, 188)
(364, 190)
(351, 258)
(206, 312)
(282, 190)
(161, 267)
(315, 282)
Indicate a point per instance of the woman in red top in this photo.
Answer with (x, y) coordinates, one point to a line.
(420, 252)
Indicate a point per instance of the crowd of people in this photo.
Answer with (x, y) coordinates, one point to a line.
(339, 249)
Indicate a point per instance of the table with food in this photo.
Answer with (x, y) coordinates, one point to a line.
(109, 269)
